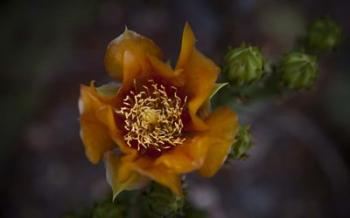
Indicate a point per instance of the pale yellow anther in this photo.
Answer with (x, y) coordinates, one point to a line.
(152, 118)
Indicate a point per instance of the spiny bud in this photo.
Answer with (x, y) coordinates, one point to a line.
(243, 65)
(323, 35)
(104, 208)
(107, 210)
(298, 70)
(161, 202)
(243, 143)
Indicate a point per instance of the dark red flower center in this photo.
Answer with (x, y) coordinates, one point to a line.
(152, 116)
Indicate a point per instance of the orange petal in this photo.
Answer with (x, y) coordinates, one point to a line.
(93, 133)
(199, 74)
(164, 70)
(136, 44)
(208, 149)
(99, 132)
(159, 173)
(132, 70)
(120, 174)
(96, 140)
(105, 115)
(187, 46)
(220, 137)
(186, 157)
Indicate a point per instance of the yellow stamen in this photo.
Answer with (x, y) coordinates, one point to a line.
(152, 118)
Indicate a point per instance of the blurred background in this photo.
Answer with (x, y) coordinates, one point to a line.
(298, 168)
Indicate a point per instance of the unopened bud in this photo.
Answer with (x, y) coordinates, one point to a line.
(298, 71)
(161, 202)
(323, 35)
(242, 145)
(243, 65)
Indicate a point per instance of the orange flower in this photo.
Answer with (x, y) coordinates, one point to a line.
(157, 124)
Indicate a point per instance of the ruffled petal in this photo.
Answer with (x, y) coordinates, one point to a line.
(207, 150)
(93, 133)
(138, 45)
(165, 71)
(99, 132)
(220, 137)
(187, 46)
(105, 114)
(199, 74)
(186, 157)
(159, 173)
(120, 174)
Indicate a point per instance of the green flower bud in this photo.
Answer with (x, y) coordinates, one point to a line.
(243, 65)
(323, 35)
(161, 202)
(243, 143)
(298, 71)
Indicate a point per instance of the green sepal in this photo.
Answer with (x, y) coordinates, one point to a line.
(108, 90)
(216, 88)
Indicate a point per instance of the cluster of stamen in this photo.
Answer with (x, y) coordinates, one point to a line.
(152, 118)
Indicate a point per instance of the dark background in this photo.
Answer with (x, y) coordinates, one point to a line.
(298, 168)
